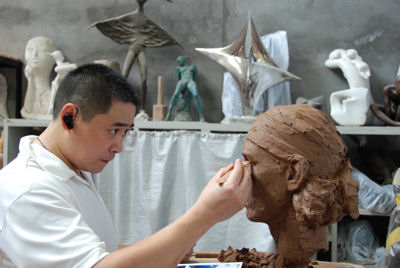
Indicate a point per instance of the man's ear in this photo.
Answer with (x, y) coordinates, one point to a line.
(68, 115)
(299, 171)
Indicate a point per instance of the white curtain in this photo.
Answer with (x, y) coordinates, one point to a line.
(160, 174)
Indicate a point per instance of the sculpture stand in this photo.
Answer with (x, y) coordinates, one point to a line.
(159, 110)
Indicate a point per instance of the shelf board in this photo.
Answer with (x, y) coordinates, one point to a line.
(194, 126)
(244, 127)
(368, 130)
(237, 127)
(25, 123)
(365, 212)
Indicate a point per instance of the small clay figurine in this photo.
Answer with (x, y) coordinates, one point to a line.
(185, 90)
(389, 113)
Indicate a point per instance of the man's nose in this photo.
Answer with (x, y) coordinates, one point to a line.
(117, 144)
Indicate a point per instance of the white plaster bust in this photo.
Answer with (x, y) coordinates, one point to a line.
(3, 97)
(39, 65)
(351, 106)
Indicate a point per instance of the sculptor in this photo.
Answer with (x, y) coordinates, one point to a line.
(302, 180)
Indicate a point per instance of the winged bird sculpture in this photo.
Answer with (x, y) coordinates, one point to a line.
(137, 31)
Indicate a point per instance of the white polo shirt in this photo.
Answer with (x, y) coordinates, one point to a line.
(49, 216)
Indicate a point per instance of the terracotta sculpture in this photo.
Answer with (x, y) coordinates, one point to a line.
(138, 31)
(185, 90)
(389, 113)
(39, 65)
(391, 97)
(351, 106)
(302, 180)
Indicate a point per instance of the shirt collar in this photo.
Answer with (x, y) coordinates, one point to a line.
(48, 161)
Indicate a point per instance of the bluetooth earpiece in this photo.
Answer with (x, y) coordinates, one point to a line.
(69, 121)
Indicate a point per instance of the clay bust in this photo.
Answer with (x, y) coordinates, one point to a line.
(39, 65)
(302, 180)
(351, 106)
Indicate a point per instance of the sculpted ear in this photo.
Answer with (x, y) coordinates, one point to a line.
(299, 171)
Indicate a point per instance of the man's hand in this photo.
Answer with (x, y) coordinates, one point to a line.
(220, 202)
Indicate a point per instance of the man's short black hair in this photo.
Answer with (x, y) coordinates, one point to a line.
(93, 88)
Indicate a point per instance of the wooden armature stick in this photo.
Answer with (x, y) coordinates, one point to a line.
(160, 90)
(223, 179)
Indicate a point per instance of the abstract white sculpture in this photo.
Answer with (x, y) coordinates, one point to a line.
(61, 69)
(39, 65)
(351, 106)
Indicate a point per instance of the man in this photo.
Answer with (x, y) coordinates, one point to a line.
(50, 212)
(302, 180)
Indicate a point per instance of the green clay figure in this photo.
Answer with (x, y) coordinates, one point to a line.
(185, 90)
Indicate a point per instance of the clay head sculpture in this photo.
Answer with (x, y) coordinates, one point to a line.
(302, 180)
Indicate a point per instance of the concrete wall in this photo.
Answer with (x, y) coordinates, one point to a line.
(314, 28)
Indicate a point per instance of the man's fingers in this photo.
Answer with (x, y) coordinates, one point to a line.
(225, 170)
(247, 182)
(237, 173)
(225, 177)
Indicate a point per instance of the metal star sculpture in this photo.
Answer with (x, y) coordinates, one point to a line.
(252, 67)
